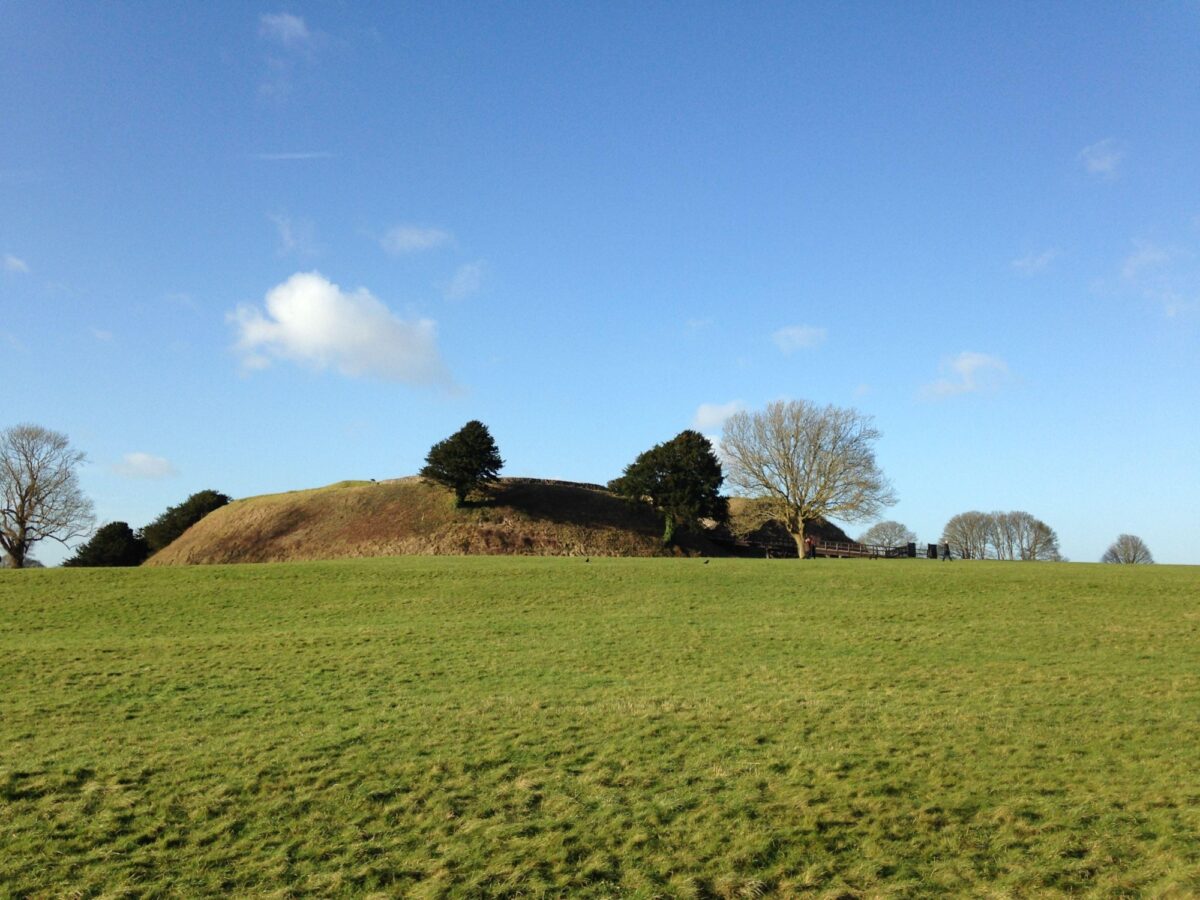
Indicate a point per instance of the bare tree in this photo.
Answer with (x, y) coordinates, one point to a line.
(1128, 549)
(1032, 539)
(1013, 535)
(802, 462)
(969, 535)
(888, 534)
(39, 491)
(1017, 535)
(1002, 537)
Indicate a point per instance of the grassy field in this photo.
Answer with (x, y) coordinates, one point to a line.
(655, 727)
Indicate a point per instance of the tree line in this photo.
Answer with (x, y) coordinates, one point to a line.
(116, 544)
(795, 461)
(798, 461)
(1013, 535)
(40, 499)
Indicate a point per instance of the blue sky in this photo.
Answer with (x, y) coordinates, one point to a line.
(267, 248)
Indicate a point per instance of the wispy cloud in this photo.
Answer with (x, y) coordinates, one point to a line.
(293, 155)
(102, 334)
(285, 29)
(1145, 255)
(1165, 275)
(467, 280)
(798, 337)
(296, 236)
(12, 263)
(413, 239)
(1102, 158)
(144, 465)
(711, 417)
(291, 41)
(691, 326)
(310, 320)
(1033, 263)
(968, 373)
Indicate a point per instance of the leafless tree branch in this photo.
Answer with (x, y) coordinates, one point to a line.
(40, 497)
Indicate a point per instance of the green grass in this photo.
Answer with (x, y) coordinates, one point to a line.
(526, 727)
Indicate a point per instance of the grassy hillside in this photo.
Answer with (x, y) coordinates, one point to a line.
(410, 516)
(652, 727)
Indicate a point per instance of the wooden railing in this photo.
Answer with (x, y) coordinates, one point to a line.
(838, 549)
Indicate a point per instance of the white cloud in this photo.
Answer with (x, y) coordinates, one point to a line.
(1032, 263)
(285, 29)
(798, 337)
(466, 281)
(1102, 158)
(102, 334)
(694, 325)
(295, 235)
(968, 373)
(712, 416)
(14, 264)
(311, 321)
(413, 239)
(144, 465)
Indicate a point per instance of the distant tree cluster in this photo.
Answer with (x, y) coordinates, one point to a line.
(178, 519)
(796, 462)
(116, 544)
(1001, 535)
(40, 499)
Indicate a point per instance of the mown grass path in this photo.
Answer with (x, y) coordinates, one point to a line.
(503, 726)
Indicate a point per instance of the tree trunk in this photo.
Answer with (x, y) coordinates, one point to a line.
(797, 532)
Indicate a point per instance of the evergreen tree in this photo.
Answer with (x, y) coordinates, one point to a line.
(465, 461)
(178, 519)
(114, 544)
(681, 479)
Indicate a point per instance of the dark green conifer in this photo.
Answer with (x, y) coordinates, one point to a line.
(681, 479)
(178, 519)
(465, 461)
(114, 544)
